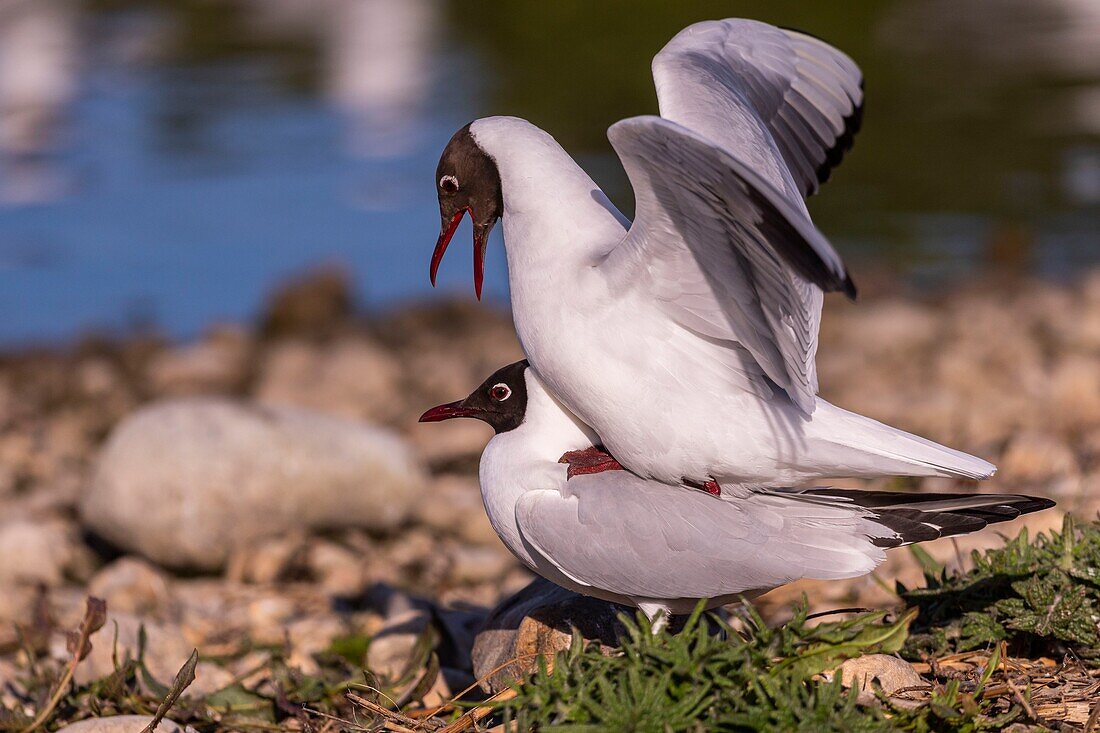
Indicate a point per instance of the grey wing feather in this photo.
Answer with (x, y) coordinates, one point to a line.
(808, 94)
(619, 533)
(725, 252)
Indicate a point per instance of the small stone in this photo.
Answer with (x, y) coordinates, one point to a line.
(538, 621)
(165, 648)
(132, 585)
(309, 636)
(353, 378)
(268, 617)
(415, 551)
(209, 678)
(218, 363)
(97, 377)
(269, 561)
(313, 304)
(16, 603)
(890, 672)
(35, 551)
(439, 694)
(339, 571)
(391, 648)
(9, 673)
(480, 564)
(120, 724)
(456, 508)
(229, 474)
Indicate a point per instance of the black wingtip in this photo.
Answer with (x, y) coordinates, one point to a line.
(843, 144)
(849, 288)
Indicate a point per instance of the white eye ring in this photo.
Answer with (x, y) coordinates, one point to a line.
(448, 179)
(500, 385)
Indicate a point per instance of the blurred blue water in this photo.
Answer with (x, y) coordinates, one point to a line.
(177, 187)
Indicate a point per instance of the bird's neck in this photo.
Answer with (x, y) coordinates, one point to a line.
(555, 217)
(526, 459)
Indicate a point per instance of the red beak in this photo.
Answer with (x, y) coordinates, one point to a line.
(481, 239)
(447, 411)
(444, 240)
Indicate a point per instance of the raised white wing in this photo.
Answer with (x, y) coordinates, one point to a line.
(716, 77)
(623, 534)
(723, 251)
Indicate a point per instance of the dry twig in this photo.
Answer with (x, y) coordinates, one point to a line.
(95, 616)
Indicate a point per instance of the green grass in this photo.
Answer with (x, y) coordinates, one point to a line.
(1041, 595)
(1038, 596)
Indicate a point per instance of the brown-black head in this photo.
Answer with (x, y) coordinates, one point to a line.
(467, 179)
(501, 400)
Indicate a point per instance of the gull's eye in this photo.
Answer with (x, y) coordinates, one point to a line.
(500, 392)
(449, 183)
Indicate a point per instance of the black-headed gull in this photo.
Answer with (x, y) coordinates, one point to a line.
(687, 339)
(616, 536)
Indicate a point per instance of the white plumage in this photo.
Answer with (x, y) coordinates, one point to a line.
(687, 338)
(660, 547)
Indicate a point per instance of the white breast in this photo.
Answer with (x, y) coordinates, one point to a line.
(524, 459)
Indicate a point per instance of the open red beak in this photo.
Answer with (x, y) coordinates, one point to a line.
(481, 238)
(447, 411)
(444, 240)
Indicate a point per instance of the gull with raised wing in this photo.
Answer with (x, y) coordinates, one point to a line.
(619, 537)
(687, 338)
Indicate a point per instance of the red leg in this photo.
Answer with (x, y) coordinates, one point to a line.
(589, 460)
(710, 486)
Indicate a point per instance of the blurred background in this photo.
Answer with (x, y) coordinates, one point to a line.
(164, 162)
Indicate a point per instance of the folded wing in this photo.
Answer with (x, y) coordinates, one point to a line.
(619, 533)
(633, 537)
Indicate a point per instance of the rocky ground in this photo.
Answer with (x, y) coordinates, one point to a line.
(267, 487)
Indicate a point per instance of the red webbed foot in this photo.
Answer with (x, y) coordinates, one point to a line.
(589, 460)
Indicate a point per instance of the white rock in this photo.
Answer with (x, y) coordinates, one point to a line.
(890, 672)
(120, 724)
(185, 482)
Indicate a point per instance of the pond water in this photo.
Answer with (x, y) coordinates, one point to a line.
(169, 162)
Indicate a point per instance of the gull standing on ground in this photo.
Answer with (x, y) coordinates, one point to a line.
(622, 538)
(687, 338)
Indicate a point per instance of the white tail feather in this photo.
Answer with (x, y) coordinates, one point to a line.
(871, 448)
